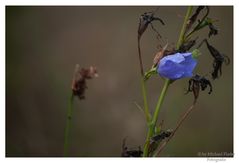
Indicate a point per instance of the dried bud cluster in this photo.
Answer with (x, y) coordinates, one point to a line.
(79, 80)
(146, 19)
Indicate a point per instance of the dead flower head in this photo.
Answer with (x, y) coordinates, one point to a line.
(79, 84)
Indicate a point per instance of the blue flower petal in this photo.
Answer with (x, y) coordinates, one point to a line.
(177, 66)
(186, 54)
(177, 58)
(169, 70)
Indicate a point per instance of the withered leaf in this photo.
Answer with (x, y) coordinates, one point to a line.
(130, 153)
(197, 82)
(193, 18)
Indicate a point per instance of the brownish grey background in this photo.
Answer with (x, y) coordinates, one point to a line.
(43, 45)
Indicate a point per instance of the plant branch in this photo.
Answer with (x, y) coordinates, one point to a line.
(146, 108)
(183, 30)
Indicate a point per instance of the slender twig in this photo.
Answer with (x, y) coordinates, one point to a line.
(185, 115)
(68, 125)
(183, 30)
(140, 58)
(144, 92)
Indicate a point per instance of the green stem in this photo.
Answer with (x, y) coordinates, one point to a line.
(146, 108)
(182, 33)
(68, 125)
(155, 117)
(160, 101)
(165, 87)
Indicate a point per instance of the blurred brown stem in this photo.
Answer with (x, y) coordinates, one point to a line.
(144, 92)
(185, 115)
(140, 58)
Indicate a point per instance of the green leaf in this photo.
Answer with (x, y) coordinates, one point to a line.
(196, 53)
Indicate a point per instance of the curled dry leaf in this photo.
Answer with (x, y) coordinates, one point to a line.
(157, 139)
(212, 30)
(193, 18)
(130, 153)
(219, 59)
(197, 82)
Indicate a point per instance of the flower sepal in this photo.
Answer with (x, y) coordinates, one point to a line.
(196, 53)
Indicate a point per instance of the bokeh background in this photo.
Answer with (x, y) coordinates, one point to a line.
(43, 44)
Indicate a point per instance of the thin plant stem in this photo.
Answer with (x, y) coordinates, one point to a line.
(68, 125)
(185, 115)
(140, 58)
(160, 101)
(155, 117)
(182, 33)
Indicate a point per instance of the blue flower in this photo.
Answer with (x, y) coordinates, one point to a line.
(177, 66)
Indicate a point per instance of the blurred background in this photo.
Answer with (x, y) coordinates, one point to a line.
(43, 44)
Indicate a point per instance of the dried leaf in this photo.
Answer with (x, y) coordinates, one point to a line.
(197, 82)
(212, 30)
(130, 153)
(193, 18)
(187, 45)
(218, 60)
